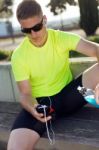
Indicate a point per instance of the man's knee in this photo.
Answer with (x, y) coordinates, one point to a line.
(14, 146)
(17, 146)
(22, 139)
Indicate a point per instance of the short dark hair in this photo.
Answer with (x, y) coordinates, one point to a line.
(27, 9)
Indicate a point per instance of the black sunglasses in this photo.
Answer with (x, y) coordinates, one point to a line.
(35, 28)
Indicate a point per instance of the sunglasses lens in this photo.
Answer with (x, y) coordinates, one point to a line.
(35, 28)
(24, 30)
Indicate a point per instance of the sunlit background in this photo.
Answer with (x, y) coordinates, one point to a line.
(70, 13)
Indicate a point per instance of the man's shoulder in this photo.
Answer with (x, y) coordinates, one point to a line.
(23, 43)
(53, 31)
(54, 34)
(20, 48)
(57, 33)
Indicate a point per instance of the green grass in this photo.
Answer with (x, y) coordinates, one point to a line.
(5, 55)
(94, 38)
(76, 54)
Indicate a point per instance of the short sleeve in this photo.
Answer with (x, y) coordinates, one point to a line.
(68, 41)
(19, 68)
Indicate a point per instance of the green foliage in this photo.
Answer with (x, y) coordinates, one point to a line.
(88, 16)
(88, 12)
(6, 8)
(8, 2)
(76, 54)
(5, 55)
(94, 38)
(58, 6)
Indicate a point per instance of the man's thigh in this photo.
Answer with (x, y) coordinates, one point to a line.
(26, 120)
(72, 100)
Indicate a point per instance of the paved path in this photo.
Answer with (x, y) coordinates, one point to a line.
(7, 44)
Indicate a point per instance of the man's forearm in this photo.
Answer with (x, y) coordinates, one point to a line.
(27, 102)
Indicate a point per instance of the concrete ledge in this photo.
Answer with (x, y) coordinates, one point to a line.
(9, 91)
(80, 64)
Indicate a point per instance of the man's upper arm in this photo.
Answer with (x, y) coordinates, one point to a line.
(24, 87)
(86, 47)
(26, 92)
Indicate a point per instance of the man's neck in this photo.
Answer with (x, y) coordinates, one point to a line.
(42, 42)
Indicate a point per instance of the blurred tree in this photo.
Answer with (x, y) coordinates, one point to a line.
(88, 16)
(88, 12)
(6, 8)
(58, 6)
(6, 12)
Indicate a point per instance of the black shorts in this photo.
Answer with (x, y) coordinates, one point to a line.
(66, 102)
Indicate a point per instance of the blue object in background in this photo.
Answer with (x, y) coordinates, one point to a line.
(90, 99)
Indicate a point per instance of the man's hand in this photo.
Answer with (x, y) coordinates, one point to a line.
(97, 93)
(40, 116)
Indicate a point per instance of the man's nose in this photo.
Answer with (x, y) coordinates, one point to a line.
(33, 33)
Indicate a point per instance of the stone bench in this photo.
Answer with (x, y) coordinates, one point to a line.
(81, 127)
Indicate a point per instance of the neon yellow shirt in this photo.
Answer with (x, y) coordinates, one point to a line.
(46, 67)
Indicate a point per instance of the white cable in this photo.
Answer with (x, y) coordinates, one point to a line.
(53, 133)
(51, 128)
(51, 142)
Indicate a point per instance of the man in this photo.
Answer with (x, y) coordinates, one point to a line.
(41, 68)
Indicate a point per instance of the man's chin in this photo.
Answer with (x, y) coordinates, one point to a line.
(35, 39)
(35, 42)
